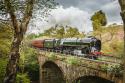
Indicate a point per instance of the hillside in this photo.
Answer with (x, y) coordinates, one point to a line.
(113, 40)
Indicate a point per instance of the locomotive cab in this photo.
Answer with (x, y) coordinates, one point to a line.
(98, 45)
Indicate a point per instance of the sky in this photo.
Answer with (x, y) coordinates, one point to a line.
(77, 13)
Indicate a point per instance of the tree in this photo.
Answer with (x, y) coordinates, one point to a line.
(122, 5)
(60, 32)
(5, 39)
(98, 19)
(20, 13)
(72, 32)
(57, 31)
(51, 32)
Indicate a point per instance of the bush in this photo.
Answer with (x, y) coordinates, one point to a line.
(33, 71)
(6, 34)
(52, 56)
(22, 78)
(72, 60)
(117, 69)
(113, 68)
(29, 62)
(115, 48)
(3, 63)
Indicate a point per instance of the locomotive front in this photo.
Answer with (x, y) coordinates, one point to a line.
(90, 45)
(95, 44)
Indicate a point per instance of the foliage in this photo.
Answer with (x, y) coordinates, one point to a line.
(72, 32)
(52, 56)
(117, 48)
(20, 13)
(60, 32)
(114, 48)
(113, 68)
(50, 32)
(3, 63)
(20, 7)
(29, 62)
(112, 39)
(5, 39)
(22, 78)
(63, 32)
(118, 69)
(72, 61)
(98, 22)
(32, 36)
(104, 67)
(33, 71)
(6, 34)
(98, 19)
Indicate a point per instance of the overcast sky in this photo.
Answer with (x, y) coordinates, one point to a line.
(77, 13)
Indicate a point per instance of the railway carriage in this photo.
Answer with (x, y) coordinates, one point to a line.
(38, 43)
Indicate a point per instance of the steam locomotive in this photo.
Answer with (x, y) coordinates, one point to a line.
(76, 46)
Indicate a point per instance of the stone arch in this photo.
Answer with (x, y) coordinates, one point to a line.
(92, 79)
(51, 73)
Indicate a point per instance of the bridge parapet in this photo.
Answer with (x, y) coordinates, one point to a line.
(74, 67)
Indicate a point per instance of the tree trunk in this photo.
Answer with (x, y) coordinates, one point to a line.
(19, 31)
(14, 56)
(122, 4)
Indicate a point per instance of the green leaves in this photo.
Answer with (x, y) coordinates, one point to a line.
(98, 19)
(22, 78)
(3, 63)
(72, 61)
(5, 39)
(117, 69)
(63, 32)
(5, 43)
(52, 56)
(28, 61)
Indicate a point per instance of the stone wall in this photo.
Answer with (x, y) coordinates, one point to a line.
(68, 73)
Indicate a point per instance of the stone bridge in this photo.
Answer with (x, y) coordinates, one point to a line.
(57, 68)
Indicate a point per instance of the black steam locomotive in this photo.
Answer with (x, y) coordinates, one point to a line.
(75, 46)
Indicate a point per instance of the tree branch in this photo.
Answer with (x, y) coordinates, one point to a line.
(27, 15)
(10, 10)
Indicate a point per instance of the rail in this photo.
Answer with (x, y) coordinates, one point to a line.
(113, 59)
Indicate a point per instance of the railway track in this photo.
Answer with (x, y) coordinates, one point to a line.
(101, 58)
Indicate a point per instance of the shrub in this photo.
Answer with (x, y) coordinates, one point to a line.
(22, 78)
(3, 63)
(72, 60)
(52, 56)
(117, 69)
(29, 62)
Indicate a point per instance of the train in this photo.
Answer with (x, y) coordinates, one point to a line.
(88, 46)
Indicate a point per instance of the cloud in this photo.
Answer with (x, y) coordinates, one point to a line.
(112, 11)
(70, 16)
(110, 7)
(77, 13)
(66, 16)
(88, 5)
